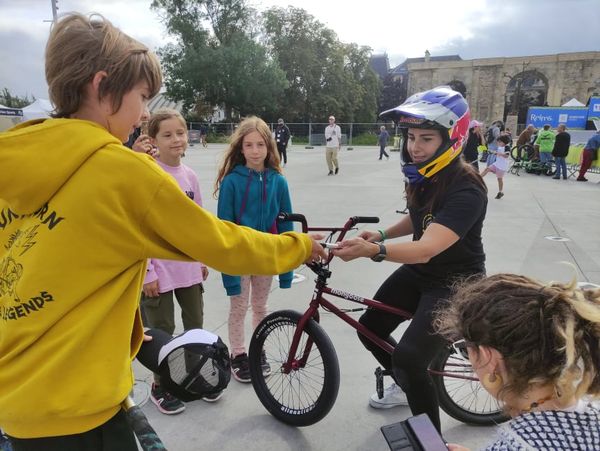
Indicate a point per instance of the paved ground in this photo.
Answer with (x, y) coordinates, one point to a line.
(514, 232)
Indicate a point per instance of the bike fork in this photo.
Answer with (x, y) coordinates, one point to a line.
(293, 363)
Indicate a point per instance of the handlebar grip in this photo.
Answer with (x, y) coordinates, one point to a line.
(293, 217)
(365, 219)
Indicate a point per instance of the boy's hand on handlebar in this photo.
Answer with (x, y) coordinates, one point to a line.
(370, 235)
(317, 253)
(354, 248)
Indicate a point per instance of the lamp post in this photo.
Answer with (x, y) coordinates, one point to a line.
(512, 117)
(515, 107)
(54, 9)
(54, 4)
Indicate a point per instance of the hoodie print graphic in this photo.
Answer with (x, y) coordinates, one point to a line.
(11, 271)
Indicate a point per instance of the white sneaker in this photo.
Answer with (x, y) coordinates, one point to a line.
(393, 396)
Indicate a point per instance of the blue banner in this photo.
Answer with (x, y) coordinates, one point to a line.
(11, 112)
(572, 117)
(594, 109)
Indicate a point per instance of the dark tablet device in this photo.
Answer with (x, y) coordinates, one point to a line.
(417, 433)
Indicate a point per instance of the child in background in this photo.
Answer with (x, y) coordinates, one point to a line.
(500, 165)
(252, 192)
(168, 133)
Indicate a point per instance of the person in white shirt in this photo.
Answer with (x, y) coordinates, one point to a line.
(333, 143)
(500, 165)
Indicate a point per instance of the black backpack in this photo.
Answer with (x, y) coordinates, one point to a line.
(489, 136)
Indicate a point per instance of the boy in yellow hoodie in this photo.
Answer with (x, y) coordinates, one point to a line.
(80, 214)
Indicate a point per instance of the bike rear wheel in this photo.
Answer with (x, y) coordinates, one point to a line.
(460, 394)
(304, 393)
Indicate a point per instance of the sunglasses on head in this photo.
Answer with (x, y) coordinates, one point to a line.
(460, 347)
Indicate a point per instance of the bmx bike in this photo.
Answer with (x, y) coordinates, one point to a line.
(524, 158)
(303, 385)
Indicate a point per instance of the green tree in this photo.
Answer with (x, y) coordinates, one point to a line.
(302, 46)
(363, 84)
(393, 92)
(221, 65)
(14, 101)
(324, 75)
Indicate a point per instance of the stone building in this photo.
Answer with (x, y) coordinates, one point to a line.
(499, 87)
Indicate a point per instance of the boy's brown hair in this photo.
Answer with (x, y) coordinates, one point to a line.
(79, 47)
(163, 115)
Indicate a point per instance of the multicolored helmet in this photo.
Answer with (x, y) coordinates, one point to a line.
(442, 109)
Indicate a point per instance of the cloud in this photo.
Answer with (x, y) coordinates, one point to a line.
(470, 28)
(23, 75)
(521, 28)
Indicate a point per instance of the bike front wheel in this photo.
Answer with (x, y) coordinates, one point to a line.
(460, 393)
(302, 393)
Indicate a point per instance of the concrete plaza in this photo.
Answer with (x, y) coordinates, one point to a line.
(515, 231)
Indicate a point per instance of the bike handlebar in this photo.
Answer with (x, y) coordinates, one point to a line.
(341, 231)
(351, 222)
(293, 217)
(365, 219)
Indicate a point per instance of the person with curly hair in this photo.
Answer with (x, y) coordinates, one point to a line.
(536, 348)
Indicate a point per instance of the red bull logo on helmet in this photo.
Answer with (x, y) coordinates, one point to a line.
(459, 132)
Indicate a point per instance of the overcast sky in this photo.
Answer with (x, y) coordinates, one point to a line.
(470, 28)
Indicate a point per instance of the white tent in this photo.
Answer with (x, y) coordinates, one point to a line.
(9, 117)
(573, 102)
(40, 109)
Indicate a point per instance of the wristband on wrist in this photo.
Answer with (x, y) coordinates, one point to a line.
(383, 235)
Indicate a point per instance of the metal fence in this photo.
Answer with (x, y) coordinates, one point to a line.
(311, 133)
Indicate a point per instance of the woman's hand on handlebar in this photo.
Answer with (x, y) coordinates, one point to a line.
(356, 247)
(370, 235)
(317, 253)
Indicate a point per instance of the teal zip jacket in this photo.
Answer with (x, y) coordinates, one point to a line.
(254, 199)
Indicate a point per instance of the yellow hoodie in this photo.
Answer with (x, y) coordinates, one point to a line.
(79, 216)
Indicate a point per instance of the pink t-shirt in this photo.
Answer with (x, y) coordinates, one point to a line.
(173, 274)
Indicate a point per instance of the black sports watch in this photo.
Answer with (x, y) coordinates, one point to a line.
(380, 256)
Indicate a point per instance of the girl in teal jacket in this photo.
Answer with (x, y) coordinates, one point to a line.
(252, 192)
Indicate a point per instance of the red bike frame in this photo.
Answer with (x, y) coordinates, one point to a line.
(319, 301)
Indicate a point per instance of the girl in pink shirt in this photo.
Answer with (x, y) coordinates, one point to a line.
(168, 132)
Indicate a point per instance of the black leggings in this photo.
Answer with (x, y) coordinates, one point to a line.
(282, 154)
(418, 346)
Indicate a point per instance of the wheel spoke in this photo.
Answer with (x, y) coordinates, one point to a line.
(461, 394)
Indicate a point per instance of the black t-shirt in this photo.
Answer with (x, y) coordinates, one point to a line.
(462, 210)
(470, 147)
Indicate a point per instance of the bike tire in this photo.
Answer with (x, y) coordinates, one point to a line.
(515, 153)
(306, 394)
(463, 399)
(522, 153)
